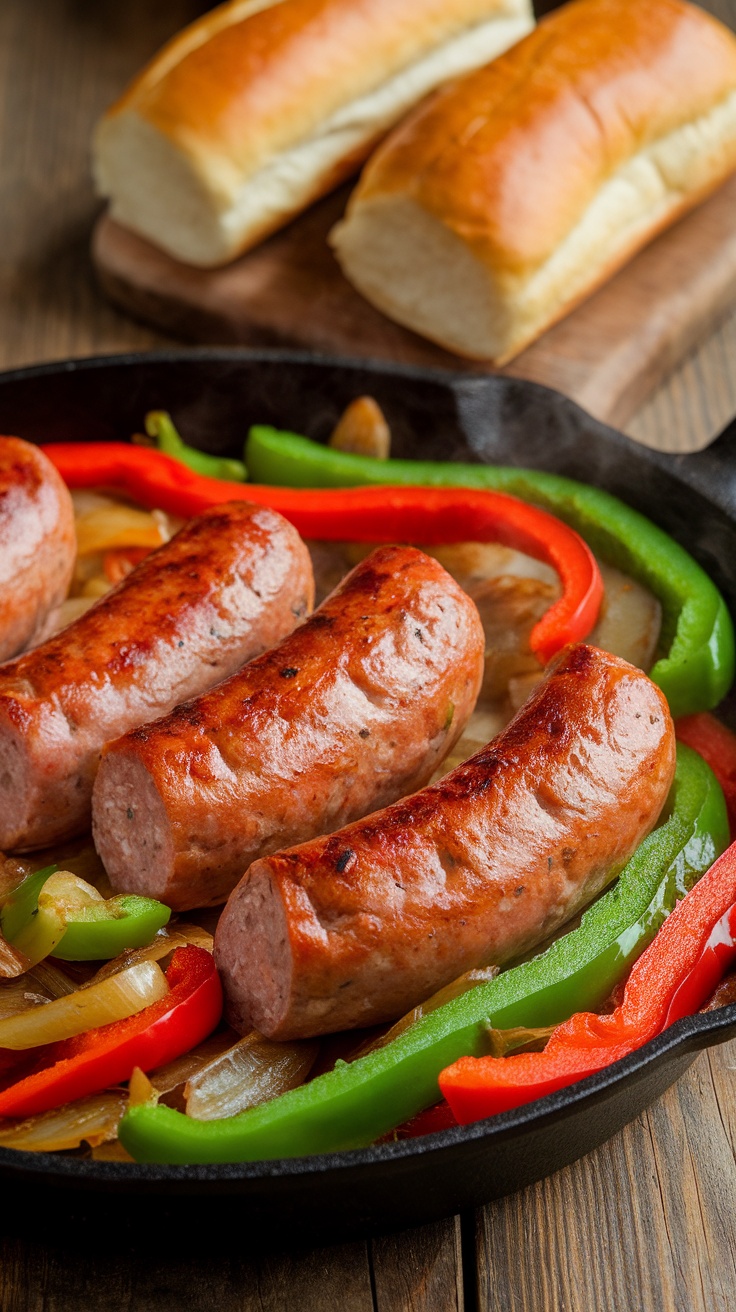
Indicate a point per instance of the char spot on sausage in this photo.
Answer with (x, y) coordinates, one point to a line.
(289, 672)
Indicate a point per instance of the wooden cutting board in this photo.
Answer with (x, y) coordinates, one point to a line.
(608, 355)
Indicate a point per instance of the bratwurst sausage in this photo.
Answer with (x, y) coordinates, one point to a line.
(359, 927)
(37, 543)
(230, 584)
(353, 710)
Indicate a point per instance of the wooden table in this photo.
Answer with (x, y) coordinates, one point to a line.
(645, 1224)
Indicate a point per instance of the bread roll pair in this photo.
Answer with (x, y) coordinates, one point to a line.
(261, 106)
(514, 192)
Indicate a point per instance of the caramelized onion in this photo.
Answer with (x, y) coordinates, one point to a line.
(630, 619)
(49, 979)
(18, 995)
(519, 1039)
(117, 525)
(112, 999)
(362, 429)
(169, 1081)
(91, 1120)
(12, 962)
(251, 1072)
(168, 938)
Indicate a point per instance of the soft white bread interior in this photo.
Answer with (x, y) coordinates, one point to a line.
(262, 106)
(517, 190)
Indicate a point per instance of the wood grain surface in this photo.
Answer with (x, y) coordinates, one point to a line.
(609, 354)
(645, 1224)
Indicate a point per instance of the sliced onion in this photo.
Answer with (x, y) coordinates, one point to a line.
(12, 962)
(474, 563)
(91, 1120)
(630, 620)
(18, 995)
(168, 938)
(519, 1039)
(463, 984)
(50, 979)
(362, 429)
(140, 1089)
(70, 892)
(65, 614)
(522, 687)
(85, 501)
(251, 1072)
(81, 859)
(117, 525)
(110, 1152)
(96, 587)
(87, 1008)
(168, 1081)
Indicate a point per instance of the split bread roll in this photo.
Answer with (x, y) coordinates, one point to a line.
(517, 190)
(262, 106)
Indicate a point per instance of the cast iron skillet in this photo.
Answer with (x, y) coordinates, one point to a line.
(214, 395)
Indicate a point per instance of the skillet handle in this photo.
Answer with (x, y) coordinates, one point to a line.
(711, 471)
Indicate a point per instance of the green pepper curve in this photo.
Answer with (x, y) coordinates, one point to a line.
(160, 426)
(697, 631)
(96, 935)
(354, 1104)
(97, 932)
(21, 905)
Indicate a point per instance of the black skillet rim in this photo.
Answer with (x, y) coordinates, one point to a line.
(692, 1033)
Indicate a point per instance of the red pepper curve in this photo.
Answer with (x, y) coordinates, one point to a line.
(672, 979)
(102, 1057)
(432, 516)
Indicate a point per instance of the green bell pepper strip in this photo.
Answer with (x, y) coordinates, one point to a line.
(356, 1103)
(697, 632)
(97, 932)
(20, 906)
(160, 426)
(94, 934)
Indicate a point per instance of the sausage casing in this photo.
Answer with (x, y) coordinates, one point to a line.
(37, 543)
(228, 585)
(359, 927)
(351, 711)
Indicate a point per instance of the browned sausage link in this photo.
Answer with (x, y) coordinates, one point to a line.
(37, 543)
(353, 710)
(228, 585)
(359, 927)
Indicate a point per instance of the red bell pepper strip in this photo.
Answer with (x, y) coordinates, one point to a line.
(717, 746)
(102, 1057)
(430, 1121)
(673, 978)
(371, 514)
